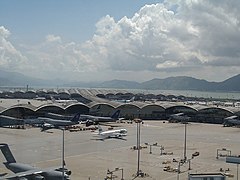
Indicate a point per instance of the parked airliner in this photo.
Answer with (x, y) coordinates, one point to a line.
(93, 120)
(116, 133)
(231, 121)
(26, 171)
(179, 117)
(50, 123)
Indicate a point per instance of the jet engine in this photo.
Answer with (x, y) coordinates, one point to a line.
(39, 177)
(90, 122)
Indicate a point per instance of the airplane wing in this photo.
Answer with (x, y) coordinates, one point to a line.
(23, 175)
(33, 173)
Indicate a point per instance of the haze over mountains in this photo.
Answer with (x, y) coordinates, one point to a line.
(171, 83)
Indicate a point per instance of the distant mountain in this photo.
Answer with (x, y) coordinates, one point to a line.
(231, 84)
(120, 84)
(177, 83)
(171, 83)
(18, 79)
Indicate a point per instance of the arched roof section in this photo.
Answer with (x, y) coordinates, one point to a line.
(31, 91)
(19, 111)
(63, 94)
(171, 97)
(129, 111)
(210, 110)
(119, 94)
(18, 94)
(152, 111)
(77, 108)
(213, 115)
(41, 92)
(110, 95)
(101, 95)
(63, 91)
(19, 91)
(50, 108)
(127, 105)
(181, 97)
(150, 96)
(130, 105)
(161, 97)
(149, 106)
(139, 104)
(102, 109)
(29, 94)
(181, 108)
(74, 93)
(27, 106)
(52, 91)
(129, 94)
(101, 104)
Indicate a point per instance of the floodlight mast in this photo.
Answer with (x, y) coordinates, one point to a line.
(63, 162)
(185, 142)
(138, 121)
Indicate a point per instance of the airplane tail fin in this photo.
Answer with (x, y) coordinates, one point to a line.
(7, 153)
(132, 99)
(76, 118)
(116, 115)
(99, 129)
(52, 99)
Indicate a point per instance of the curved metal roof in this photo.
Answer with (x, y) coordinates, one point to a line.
(216, 108)
(105, 104)
(63, 91)
(76, 104)
(149, 105)
(127, 104)
(49, 105)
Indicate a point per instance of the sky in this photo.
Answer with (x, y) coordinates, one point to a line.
(135, 40)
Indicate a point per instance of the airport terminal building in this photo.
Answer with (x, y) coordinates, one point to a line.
(32, 103)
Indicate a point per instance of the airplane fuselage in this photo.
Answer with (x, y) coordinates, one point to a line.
(36, 172)
(95, 118)
(18, 167)
(114, 133)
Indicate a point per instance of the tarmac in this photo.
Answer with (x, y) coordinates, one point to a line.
(90, 158)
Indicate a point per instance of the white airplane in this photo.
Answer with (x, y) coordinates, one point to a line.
(116, 133)
(231, 121)
(25, 171)
(63, 100)
(125, 100)
(179, 117)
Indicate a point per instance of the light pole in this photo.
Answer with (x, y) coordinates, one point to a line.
(237, 171)
(63, 161)
(185, 142)
(138, 121)
(138, 147)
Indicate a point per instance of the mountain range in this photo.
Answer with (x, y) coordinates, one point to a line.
(170, 83)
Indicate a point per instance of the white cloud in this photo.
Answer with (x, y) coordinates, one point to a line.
(53, 38)
(10, 58)
(194, 35)
(181, 37)
(4, 32)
